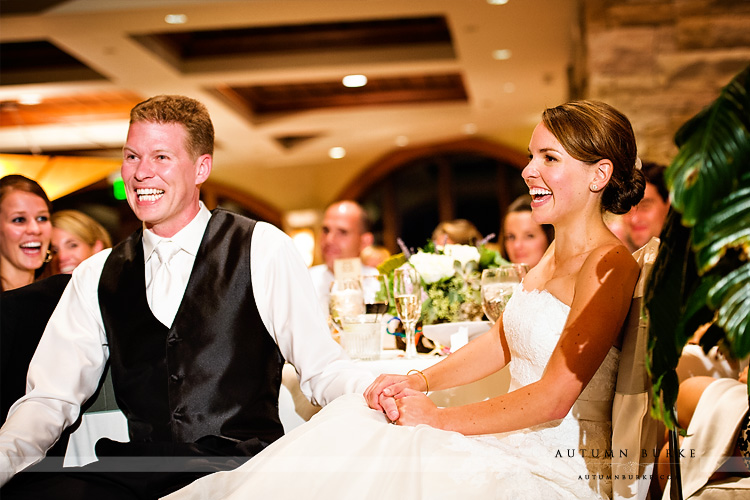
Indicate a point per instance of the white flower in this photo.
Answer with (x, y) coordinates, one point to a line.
(462, 253)
(432, 267)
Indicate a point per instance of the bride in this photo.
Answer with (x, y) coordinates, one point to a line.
(548, 436)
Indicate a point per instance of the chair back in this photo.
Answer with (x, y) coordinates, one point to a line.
(634, 432)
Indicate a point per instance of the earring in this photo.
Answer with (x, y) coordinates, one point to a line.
(48, 257)
(594, 187)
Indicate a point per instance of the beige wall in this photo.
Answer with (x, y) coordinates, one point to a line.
(661, 61)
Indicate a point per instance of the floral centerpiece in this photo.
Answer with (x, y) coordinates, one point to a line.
(451, 278)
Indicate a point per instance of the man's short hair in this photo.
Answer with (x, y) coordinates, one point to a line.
(654, 173)
(188, 112)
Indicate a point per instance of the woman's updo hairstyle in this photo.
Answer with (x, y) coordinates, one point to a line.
(591, 131)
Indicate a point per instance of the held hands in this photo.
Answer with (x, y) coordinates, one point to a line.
(416, 408)
(399, 397)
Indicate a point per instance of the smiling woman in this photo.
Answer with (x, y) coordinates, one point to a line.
(524, 241)
(25, 229)
(75, 238)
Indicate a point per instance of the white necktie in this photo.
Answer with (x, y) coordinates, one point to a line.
(166, 286)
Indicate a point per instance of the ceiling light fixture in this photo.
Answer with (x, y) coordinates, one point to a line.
(497, 2)
(337, 153)
(501, 55)
(30, 99)
(353, 81)
(470, 128)
(175, 19)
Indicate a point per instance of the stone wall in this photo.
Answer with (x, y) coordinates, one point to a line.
(660, 61)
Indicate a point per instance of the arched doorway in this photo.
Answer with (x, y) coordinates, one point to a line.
(407, 193)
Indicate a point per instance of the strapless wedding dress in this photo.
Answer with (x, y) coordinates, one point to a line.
(349, 451)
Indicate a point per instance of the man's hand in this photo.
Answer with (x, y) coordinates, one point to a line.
(382, 393)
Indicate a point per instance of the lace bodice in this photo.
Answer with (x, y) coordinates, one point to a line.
(533, 322)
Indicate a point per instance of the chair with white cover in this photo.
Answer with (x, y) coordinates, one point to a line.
(709, 444)
(634, 432)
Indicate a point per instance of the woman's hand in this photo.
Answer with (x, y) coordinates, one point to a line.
(416, 408)
(381, 393)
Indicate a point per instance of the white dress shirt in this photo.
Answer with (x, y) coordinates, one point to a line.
(72, 353)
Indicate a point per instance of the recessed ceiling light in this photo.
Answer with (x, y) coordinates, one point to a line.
(337, 153)
(30, 99)
(354, 81)
(175, 18)
(470, 128)
(501, 55)
(497, 2)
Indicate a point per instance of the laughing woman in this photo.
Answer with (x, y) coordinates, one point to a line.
(563, 363)
(75, 238)
(25, 231)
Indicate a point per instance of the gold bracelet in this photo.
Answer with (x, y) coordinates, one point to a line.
(426, 383)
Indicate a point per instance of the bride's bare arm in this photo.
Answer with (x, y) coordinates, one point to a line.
(602, 294)
(481, 357)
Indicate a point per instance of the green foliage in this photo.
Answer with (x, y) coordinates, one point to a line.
(392, 263)
(454, 298)
(702, 272)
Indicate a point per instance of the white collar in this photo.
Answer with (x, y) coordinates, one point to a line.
(188, 238)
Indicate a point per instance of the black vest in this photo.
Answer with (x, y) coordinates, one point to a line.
(217, 371)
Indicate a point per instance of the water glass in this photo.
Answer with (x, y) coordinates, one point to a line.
(497, 287)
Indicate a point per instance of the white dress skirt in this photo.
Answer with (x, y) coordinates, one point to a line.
(349, 451)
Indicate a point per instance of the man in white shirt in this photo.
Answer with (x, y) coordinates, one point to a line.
(345, 233)
(196, 354)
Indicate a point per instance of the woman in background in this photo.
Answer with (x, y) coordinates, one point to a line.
(374, 255)
(456, 232)
(75, 238)
(524, 240)
(25, 231)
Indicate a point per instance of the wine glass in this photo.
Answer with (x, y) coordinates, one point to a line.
(407, 292)
(345, 301)
(497, 287)
(375, 294)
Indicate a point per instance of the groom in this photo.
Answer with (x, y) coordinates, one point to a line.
(196, 336)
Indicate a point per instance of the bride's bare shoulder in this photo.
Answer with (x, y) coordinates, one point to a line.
(610, 258)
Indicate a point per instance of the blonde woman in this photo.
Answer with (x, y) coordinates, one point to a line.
(75, 238)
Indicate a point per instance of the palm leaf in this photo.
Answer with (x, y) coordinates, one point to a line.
(714, 146)
(728, 228)
(731, 296)
(703, 274)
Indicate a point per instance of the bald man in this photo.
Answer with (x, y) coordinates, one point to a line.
(346, 232)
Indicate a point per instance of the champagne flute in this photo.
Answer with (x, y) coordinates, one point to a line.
(407, 292)
(497, 286)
